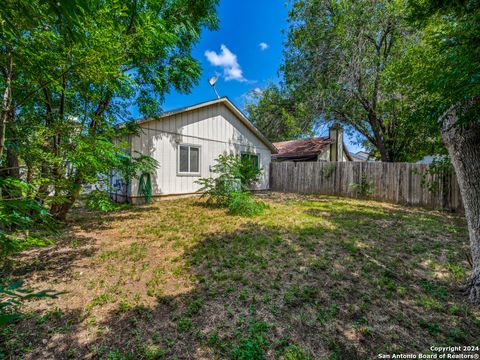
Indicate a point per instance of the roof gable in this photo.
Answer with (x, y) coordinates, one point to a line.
(225, 101)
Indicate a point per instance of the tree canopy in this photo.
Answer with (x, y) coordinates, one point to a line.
(70, 71)
(279, 116)
(336, 65)
(442, 68)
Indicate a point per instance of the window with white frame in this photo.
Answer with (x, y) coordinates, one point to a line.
(188, 159)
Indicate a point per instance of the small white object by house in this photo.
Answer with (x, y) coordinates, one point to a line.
(186, 143)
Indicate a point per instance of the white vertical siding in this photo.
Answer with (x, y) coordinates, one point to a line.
(214, 128)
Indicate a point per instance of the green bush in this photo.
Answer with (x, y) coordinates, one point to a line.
(100, 201)
(230, 187)
(243, 203)
(20, 213)
(218, 191)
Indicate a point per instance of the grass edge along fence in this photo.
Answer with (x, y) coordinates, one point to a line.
(399, 183)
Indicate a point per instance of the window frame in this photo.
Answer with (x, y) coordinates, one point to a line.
(189, 173)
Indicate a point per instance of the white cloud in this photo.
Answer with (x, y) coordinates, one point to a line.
(228, 61)
(263, 46)
(251, 96)
(257, 91)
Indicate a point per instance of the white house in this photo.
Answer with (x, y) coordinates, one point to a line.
(363, 156)
(186, 143)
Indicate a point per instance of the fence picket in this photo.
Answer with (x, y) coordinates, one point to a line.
(399, 183)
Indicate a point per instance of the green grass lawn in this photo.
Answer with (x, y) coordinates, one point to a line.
(314, 277)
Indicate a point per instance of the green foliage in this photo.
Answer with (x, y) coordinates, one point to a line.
(298, 295)
(432, 328)
(437, 174)
(328, 170)
(233, 175)
(442, 67)
(434, 290)
(100, 201)
(20, 212)
(136, 166)
(278, 116)
(18, 208)
(194, 307)
(139, 167)
(12, 297)
(364, 188)
(350, 82)
(92, 60)
(185, 324)
(218, 191)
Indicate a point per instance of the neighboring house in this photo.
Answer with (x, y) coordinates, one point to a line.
(362, 156)
(186, 143)
(329, 148)
(431, 158)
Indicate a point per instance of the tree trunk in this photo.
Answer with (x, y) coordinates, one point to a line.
(384, 154)
(60, 211)
(12, 157)
(6, 103)
(463, 144)
(378, 136)
(13, 164)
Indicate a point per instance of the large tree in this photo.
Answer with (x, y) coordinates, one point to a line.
(336, 56)
(278, 115)
(71, 71)
(441, 78)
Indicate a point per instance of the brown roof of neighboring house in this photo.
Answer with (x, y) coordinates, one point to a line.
(302, 147)
(305, 147)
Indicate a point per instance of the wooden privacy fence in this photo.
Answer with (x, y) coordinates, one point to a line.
(400, 183)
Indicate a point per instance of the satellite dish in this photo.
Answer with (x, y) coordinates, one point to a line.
(212, 80)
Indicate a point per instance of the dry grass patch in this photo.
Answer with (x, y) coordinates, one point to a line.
(313, 277)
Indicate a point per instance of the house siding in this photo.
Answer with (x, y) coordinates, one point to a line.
(214, 128)
(324, 155)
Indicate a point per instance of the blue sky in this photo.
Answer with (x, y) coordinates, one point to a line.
(246, 52)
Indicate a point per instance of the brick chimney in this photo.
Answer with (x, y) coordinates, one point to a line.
(336, 148)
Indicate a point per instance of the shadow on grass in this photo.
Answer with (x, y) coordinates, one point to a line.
(265, 291)
(96, 221)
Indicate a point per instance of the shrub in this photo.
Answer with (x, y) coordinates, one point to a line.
(229, 188)
(218, 191)
(100, 201)
(20, 212)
